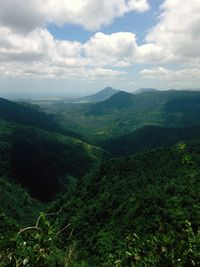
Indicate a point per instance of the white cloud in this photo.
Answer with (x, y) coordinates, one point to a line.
(36, 45)
(167, 74)
(178, 31)
(39, 55)
(116, 49)
(139, 6)
(104, 74)
(27, 49)
(26, 15)
(22, 15)
(167, 78)
(92, 14)
(151, 53)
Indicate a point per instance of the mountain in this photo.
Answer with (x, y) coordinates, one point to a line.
(101, 95)
(150, 137)
(94, 98)
(135, 203)
(124, 113)
(117, 101)
(26, 114)
(98, 210)
(124, 101)
(39, 159)
(147, 101)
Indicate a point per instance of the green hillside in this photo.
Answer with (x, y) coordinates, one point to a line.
(67, 202)
(124, 113)
(29, 115)
(16, 203)
(150, 137)
(42, 160)
(150, 196)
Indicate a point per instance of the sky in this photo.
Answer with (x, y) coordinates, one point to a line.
(76, 47)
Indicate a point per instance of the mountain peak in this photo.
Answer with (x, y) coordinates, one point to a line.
(108, 89)
(102, 95)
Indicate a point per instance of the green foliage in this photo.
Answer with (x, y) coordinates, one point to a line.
(26, 115)
(142, 210)
(124, 113)
(39, 245)
(162, 249)
(16, 202)
(39, 159)
(149, 137)
(152, 194)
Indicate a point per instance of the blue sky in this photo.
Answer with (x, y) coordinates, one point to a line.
(75, 47)
(139, 23)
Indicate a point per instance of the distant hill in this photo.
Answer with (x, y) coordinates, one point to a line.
(170, 101)
(150, 137)
(124, 112)
(94, 98)
(101, 95)
(117, 101)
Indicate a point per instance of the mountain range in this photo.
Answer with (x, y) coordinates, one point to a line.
(116, 176)
(124, 113)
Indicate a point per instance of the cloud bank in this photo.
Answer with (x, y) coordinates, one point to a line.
(27, 49)
(24, 16)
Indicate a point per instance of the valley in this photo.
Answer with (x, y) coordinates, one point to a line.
(110, 179)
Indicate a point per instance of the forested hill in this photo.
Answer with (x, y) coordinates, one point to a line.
(117, 101)
(67, 202)
(25, 114)
(124, 113)
(150, 137)
(147, 100)
(42, 161)
(132, 207)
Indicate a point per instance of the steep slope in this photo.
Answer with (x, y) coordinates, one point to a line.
(24, 114)
(117, 101)
(40, 160)
(152, 193)
(150, 137)
(183, 110)
(16, 203)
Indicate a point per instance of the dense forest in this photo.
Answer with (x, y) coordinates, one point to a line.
(112, 180)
